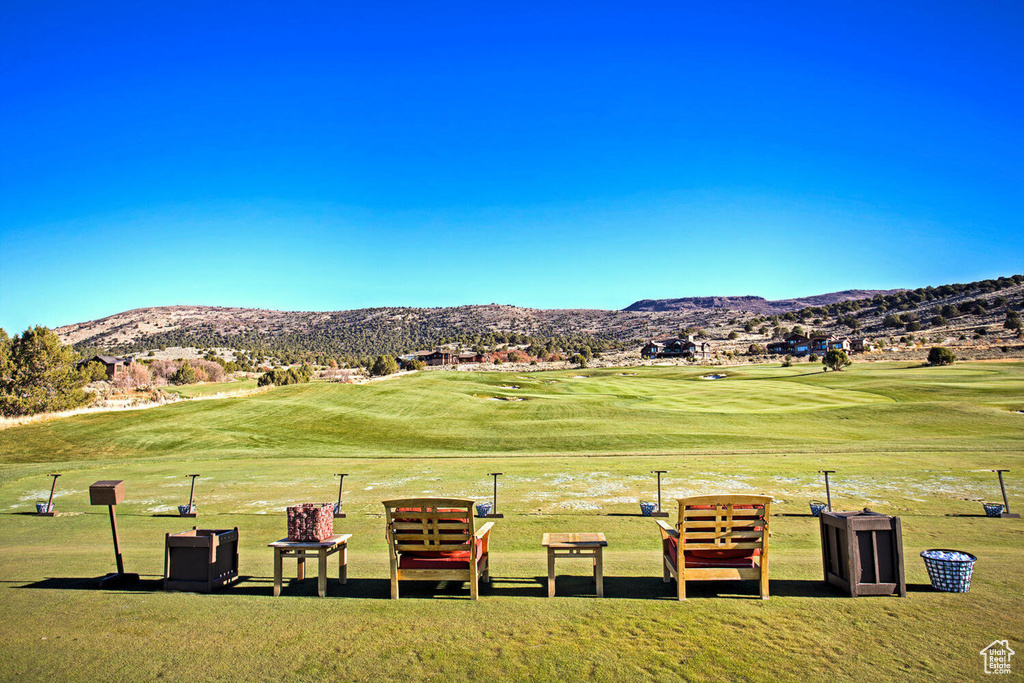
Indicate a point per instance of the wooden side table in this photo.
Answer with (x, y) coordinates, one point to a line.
(300, 550)
(575, 545)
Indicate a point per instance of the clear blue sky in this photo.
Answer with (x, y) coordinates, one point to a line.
(332, 155)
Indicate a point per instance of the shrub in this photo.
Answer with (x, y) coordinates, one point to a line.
(578, 359)
(135, 376)
(183, 375)
(836, 360)
(913, 326)
(787, 361)
(93, 371)
(813, 358)
(733, 335)
(383, 365)
(940, 355)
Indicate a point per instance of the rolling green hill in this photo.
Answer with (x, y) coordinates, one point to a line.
(868, 408)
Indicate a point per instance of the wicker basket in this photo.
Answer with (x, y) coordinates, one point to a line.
(310, 522)
(483, 509)
(993, 509)
(817, 507)
(949, 570)
(647, 509)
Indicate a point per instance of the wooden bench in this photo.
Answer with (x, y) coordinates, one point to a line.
(723, 537)
(434, 539)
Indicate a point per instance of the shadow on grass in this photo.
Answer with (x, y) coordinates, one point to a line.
(615, 587)
(960, 514)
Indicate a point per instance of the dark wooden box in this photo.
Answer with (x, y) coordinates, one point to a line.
(106, 493)
(862, 552)
(200, 560)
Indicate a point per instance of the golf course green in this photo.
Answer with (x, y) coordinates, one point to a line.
(576, 449)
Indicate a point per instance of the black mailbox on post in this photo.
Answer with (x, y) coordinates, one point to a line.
(862, 552)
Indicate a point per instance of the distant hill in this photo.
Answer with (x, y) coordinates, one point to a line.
(754, 304)
(935, 314)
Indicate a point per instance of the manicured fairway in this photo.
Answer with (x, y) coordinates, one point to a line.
(576, 457)
(212, 388)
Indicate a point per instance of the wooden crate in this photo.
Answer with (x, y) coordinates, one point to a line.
(201, 559)
(862, 552)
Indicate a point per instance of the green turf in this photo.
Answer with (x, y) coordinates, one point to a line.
(211, 388)
(576, 456)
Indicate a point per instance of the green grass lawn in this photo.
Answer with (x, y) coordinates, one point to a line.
(211, 388)
(577, 455)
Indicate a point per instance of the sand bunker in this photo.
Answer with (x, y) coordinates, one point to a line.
(713, 376)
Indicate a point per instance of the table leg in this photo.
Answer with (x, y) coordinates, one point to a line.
(300, 570)
(551, 572)
(599, 572)
(321, 578)
(343, 564)
(277, 572)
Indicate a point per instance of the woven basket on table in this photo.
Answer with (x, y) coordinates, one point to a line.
(310, 521)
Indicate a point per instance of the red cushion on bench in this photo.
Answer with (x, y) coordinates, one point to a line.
(456, 559)
(714, 558)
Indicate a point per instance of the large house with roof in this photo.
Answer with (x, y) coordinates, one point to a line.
(800, 345)
(680, 347)
(115, 365)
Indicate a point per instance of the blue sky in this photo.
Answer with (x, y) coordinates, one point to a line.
(333, 155)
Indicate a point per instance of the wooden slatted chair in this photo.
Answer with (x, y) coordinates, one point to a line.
(724, 537)
(434, 539)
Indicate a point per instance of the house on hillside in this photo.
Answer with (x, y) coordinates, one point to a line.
(799, 345)
(861, 345)
(676, 348)
(778, 348)
(439, 357)
(823, 344)
(469, 357)
(115, 365)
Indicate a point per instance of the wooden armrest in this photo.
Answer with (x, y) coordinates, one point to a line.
(484, 530)
(667, 528)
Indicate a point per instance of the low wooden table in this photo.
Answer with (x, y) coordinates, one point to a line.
(300, 550)
(575, 545)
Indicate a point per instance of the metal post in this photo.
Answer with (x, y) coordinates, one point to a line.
(192, 491)
(117, 541)
(828, 491)
(341, 485)
(494, 501)
(49, 503)
(1006, 501)
(659, 513)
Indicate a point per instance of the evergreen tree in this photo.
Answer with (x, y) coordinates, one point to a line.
(184, 374)
(37, 374)
(836, 359)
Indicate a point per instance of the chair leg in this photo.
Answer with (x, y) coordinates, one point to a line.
(474, 583)
(681, 582)
(764, 583)
(394, 586)
(666, 575)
